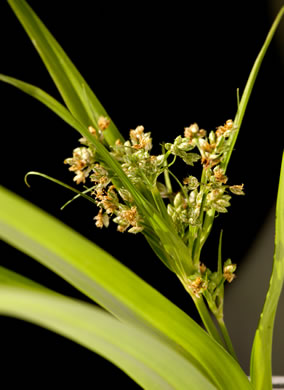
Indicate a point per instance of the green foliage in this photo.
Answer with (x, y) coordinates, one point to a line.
(140, 354)
(262, 346)
(170, 350)
(121, 292)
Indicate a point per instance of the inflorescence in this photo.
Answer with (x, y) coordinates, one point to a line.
(185, 207)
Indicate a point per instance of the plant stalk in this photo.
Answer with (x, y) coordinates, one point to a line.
(207, 319)
(227, 337)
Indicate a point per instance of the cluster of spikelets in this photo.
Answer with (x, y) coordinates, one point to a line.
(211, 283)
(185, 207)
(140, 166)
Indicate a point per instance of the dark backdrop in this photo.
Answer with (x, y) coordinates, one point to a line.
(163, 67)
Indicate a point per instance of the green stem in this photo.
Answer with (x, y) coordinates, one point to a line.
(76, 197)
(207, 226)
(160, 205)
(197, 246)
(196, 250)
(207, 319)
(227, 337)
(179, 183)
(166, 174)
(83, 194)
(168, 181)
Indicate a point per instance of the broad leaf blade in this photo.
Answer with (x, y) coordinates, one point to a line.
(144, 358)
(109, 283)
(76, 93)
(261, 352)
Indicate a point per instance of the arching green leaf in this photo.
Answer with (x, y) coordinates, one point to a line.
(106, 281)
(146, 359)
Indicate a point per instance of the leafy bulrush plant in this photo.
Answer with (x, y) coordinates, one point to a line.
(144, 334)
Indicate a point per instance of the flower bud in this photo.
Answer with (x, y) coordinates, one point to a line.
(194, 128)
(220, 143)
(171, 210)
(191, 182)
(178, 200)
(192, 196)
(212, 137)
(237, 189)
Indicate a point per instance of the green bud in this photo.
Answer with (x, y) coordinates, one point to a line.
(178, 200)
(220, 143)
(219, 208)
(184, 145)
(192, 196)
(128, 149)
(162, 189)
(212, 137)
(135, 229)
(168, 146)
(105, 220)
(237, 189)
(191, 158)
(117, 220)
(160, 159)
(191, 182)
(223, 203)
(199, 198)
(125, 194)
(171, 210)
(178, 140)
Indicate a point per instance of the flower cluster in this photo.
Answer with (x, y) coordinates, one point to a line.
(140, 166)
(211, 191)
(112, 202)
(211, 283)
(135, 158)
(186, 208)
(197, 285)
(81, 163)
(182, 148)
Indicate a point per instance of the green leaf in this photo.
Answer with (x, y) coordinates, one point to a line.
(262, 346)
(106, 281)
(46, 99)
(248, 88)
(242, 106)
(172, 243)
(77, 95)
(54, 106)
(10, 278)
(79, 98)
(147, 360)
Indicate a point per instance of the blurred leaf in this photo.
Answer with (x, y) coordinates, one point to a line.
(106, 281)
(10, 278)
(147, 360)
(262, 346)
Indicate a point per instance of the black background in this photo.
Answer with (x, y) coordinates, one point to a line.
(164, 67)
